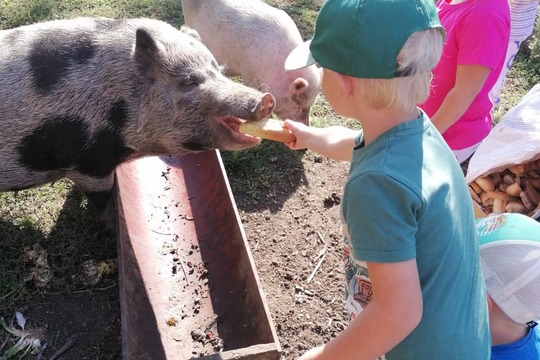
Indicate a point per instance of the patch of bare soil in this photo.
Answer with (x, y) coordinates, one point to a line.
(294, 233)
(82, 325)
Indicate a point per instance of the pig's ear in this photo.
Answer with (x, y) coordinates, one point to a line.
(191, 32)
(298, 90)
(298, 86)
(146, 53)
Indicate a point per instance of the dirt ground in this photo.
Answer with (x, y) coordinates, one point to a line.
(295, 237)
(81, 325)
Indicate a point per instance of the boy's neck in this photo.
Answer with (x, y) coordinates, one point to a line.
(376, 122)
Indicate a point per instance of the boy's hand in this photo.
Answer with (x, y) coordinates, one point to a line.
(334, 142)
(300, 131)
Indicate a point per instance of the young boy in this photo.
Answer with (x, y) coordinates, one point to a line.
(413, 284)
(510, 261)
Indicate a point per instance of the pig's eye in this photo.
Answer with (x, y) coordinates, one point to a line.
(188, 83)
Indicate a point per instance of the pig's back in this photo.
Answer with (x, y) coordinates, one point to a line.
(250, 24)
(65, 67)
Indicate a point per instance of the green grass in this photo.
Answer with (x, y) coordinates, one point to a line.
(303, 12)
(15, 13)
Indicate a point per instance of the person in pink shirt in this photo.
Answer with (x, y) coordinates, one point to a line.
(477, 34)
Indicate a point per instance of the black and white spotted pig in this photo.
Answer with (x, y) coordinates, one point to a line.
(78, 97)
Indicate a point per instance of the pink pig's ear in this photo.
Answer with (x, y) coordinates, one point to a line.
(298, 86)
(299, 93)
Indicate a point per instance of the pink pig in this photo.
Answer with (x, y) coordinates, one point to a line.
(252, 39)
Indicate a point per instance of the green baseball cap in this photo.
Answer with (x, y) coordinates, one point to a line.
(362, 38)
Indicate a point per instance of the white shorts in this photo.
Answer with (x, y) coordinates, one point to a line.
(464, 154)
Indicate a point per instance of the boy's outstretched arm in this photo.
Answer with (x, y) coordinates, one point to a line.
(334, 142)
(393, 313)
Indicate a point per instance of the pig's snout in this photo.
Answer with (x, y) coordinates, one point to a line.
(265, 108)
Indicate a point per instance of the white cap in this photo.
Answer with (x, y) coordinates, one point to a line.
(510, 261)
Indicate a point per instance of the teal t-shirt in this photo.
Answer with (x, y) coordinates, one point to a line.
(406, 197)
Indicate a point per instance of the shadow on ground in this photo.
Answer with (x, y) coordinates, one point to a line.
(63, 308)
(264, 177)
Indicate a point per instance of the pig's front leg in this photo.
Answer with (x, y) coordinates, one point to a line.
(99, 191)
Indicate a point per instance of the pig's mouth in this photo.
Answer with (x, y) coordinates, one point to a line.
(232, 124)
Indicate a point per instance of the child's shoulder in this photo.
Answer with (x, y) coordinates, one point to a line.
(492, 9)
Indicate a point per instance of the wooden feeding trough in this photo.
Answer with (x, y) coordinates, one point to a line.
(188, 285)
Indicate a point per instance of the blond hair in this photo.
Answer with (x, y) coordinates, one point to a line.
(418, 56)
